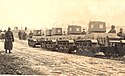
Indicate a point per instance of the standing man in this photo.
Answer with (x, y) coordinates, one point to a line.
(9, 39)
(30, 34)
(19, 35)
(112, 29)
(24, 35)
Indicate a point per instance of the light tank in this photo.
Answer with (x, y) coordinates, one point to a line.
(108, 43)
(35, 39)
(58, 41)
(96, 40)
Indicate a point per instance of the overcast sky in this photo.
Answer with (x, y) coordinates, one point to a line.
(59, 13)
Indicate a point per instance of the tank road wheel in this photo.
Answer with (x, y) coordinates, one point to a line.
(121, 54)
(43, 45)
(110, 52)
(60, 48)
(121, 51)
(33, 44)
(89, 51)
(79, 50)
(107, 53)
(29, 43)
(54, 47)
(65, 49)
(71, 49)
(113, 52)
(117, 50)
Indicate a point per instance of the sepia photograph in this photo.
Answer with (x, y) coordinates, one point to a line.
(62, 37)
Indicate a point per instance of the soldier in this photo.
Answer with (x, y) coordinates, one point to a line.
(24, 35)
(121, 34)
(9, 39)
(112, 29)
(3, 35)
(64, 32)
(83, 32)
(30, 34)
(19, 35)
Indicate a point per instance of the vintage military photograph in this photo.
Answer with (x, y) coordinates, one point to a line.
(62, 37)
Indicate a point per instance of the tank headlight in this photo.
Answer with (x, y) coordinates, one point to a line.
(71, 41)
(34, 40)
(39, 39)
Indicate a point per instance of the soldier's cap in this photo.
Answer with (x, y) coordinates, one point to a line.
(113, 26)
(121, 29)
(9, 28)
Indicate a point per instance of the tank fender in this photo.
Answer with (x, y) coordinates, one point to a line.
(54, 40)
(115, 41)
(71, 41)
(31, 39)
(34, 39)
(123, 41)
(94, 41)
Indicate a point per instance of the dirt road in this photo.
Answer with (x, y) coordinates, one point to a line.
(36, 61)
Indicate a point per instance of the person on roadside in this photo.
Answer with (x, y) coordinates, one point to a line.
(30, 34)
(24, 35)
(19, 35)
(2, 35)
(9, 39)
(112, 29)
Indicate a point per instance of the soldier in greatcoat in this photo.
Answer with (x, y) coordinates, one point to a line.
(9, 39)
(24, 35)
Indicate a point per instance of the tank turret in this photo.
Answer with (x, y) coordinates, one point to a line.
(74, 29)
(56, 31)
(97, 27)
(37, 32)
(35, 39)
(48, 32)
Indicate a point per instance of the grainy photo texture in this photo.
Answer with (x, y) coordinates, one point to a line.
(62, 37)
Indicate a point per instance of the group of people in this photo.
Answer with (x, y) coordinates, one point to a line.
(120, 33)
(9, 39)
(22, 35)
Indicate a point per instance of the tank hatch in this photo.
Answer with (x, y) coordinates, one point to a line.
(37, 32)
